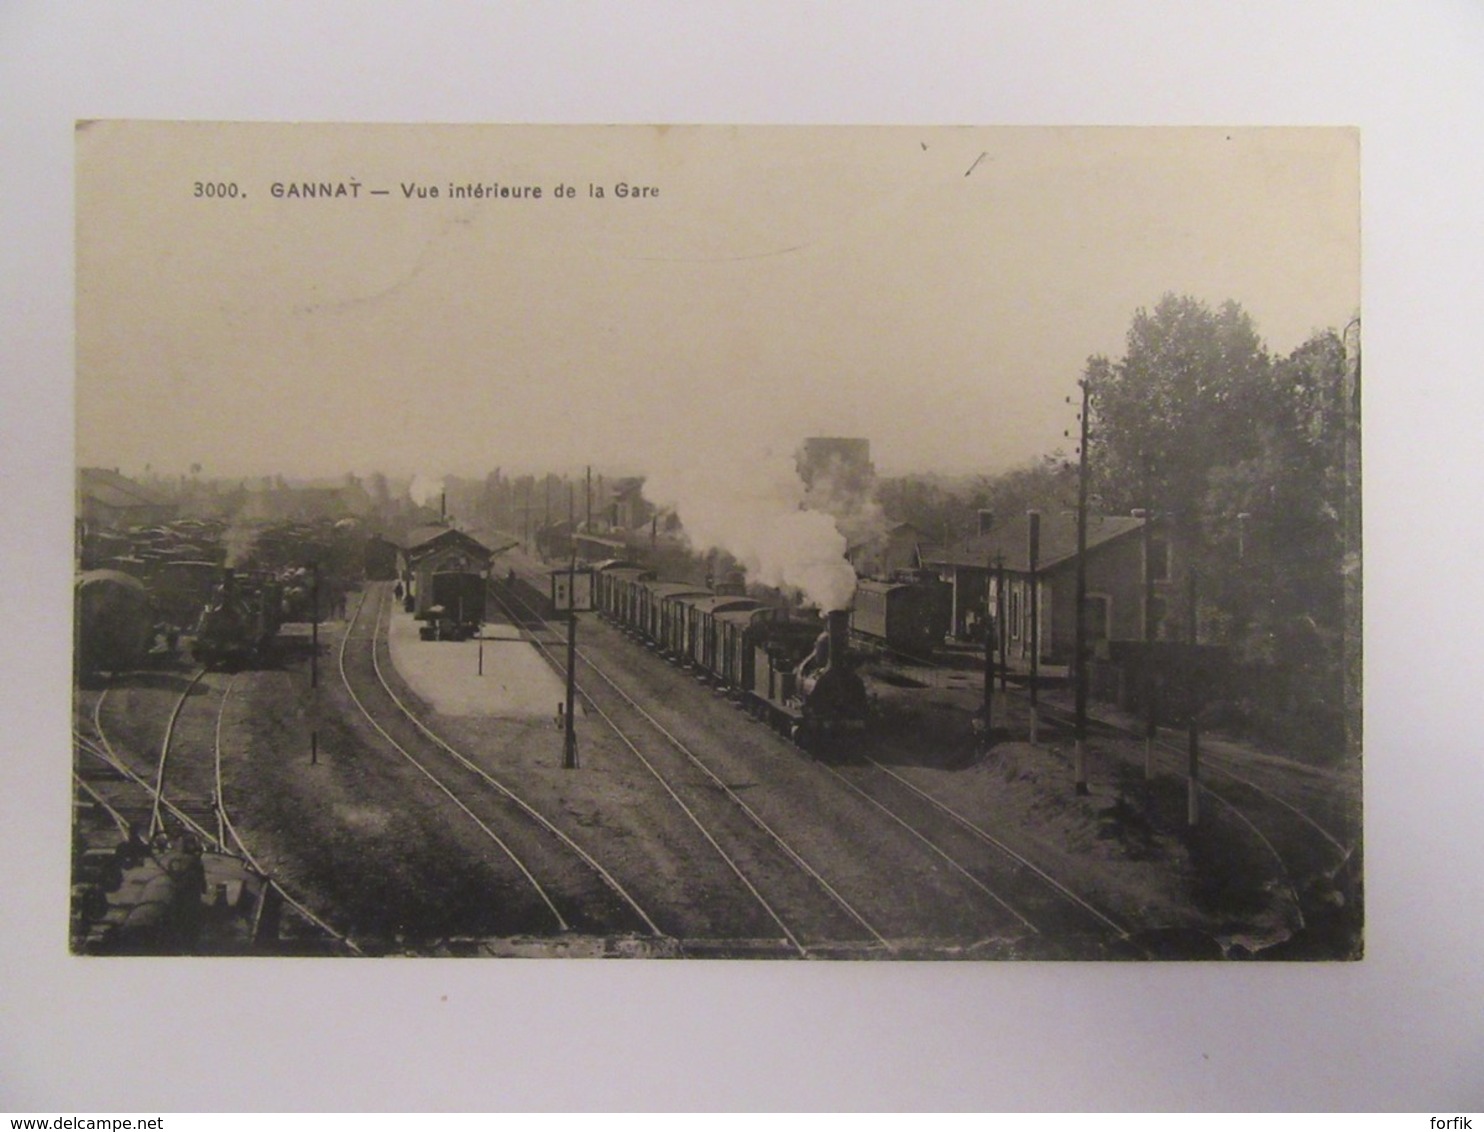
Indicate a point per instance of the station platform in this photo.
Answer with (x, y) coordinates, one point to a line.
(516, 681)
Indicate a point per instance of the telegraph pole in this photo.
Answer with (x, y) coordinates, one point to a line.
(990, 630)
(1034, 555)
(314, 663)
(569, 744)
(1193, 760)
(1151, 719)
(1079, 760)
(1001, 629)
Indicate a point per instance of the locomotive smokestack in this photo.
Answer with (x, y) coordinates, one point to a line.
(443, 505)
(838, 626)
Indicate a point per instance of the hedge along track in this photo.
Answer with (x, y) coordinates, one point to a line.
(503, 791)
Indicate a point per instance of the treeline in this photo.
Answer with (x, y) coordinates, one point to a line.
(1253, 462)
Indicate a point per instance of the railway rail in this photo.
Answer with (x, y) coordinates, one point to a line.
(961, 850)
(1287, 809)
(1054, 907)
(1303, 848)
(186, 790)
(800, 923)
(528, 840)
(801, 926)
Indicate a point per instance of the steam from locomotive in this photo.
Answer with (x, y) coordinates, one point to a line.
(755, 509)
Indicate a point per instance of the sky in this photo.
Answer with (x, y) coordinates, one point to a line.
(935, 290)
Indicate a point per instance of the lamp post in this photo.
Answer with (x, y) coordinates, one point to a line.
(1350, 522)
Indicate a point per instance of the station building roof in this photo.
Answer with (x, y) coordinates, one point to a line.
(1011, 542)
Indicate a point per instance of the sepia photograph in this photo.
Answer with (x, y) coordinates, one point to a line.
(1025, 340)
(855, 543)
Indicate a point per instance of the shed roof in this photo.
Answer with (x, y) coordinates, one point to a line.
(423, 540)
(1011, 542)
(113, 490)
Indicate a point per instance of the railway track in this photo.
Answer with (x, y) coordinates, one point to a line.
(792, 904)
(1277, 814)
(550, 883)
(1045, 905)
(1294, 812)
(672, 760)
(182, 793)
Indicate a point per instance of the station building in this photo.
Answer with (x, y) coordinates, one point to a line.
(1001, 555)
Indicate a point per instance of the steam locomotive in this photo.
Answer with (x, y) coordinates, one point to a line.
(783, 668)
(240, 620)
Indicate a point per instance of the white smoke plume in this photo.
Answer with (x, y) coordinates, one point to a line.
(425, 491)
(753, 508)
(848, 495)
(239, 542)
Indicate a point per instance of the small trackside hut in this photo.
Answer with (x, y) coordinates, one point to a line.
(444, 574)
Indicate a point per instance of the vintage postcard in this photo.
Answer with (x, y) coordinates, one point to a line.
(717, 542)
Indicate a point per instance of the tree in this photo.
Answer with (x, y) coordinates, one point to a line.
(1184, 398)
(1247, 454)
(1048, 484)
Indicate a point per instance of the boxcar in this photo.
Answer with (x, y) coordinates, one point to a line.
(455, 606)
(617, 593)
(702, 645)
(737, 632)
(907, 617)
(652, 597)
